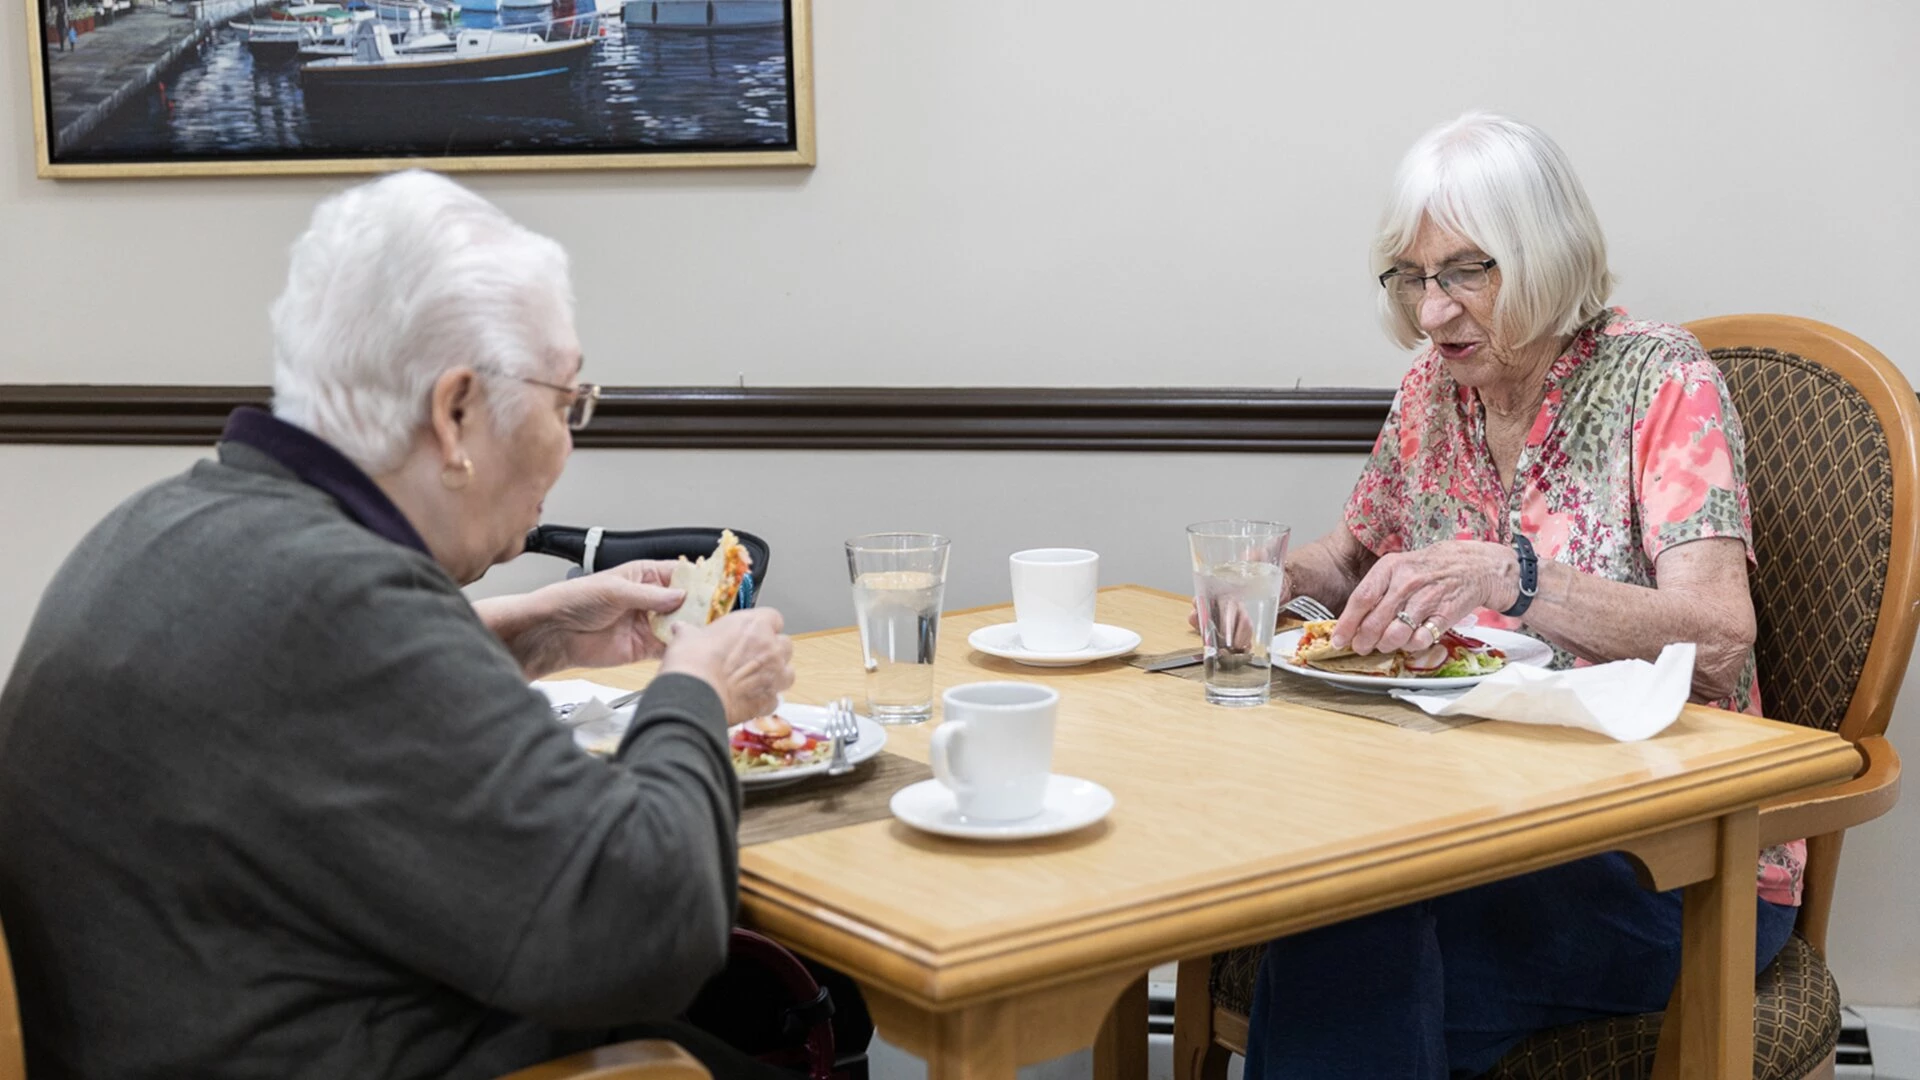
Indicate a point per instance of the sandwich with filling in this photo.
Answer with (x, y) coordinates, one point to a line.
(712, 583)
(1455, 655)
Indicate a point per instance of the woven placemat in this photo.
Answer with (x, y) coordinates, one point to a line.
(819, 803)
(1302, 690)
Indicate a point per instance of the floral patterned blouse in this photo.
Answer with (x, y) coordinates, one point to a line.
(1636, 448)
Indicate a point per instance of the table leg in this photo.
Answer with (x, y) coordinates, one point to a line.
(978, 1043)
(1708, 1032)
(989, 1040)
(1120, 1050)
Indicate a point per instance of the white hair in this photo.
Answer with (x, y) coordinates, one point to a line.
(394, 283)
(1509, 189)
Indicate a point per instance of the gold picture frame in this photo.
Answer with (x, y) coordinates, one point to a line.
(731, 106)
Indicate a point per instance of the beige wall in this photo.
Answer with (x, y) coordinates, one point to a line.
(1083, 192)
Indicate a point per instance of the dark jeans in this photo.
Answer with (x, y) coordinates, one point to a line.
(1446, 986)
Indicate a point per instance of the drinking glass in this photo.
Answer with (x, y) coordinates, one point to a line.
(1238, 577)
(899, 581)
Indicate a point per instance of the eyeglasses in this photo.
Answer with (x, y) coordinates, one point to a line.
(580, 399)
(1460, 278)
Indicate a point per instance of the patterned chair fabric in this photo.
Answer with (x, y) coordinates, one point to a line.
(1820, 477)
(1820, 480)
(1231, 980)
(1796, 1025)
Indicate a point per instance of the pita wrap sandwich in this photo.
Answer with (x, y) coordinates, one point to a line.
(1454, 655)
(712, 583)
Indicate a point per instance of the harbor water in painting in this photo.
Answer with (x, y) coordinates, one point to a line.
(426, 77)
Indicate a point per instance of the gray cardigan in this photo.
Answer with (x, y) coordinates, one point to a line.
(275, 803)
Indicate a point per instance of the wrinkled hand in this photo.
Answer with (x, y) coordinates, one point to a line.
(742, 655)
(599, 620)
(1442, 584)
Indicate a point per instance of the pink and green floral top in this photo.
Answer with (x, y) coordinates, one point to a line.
(1636, 448)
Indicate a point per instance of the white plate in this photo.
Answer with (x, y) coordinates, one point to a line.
(813, 719)
(603, 736)
(1003, 640)
(1520, 649)
(1071, 804)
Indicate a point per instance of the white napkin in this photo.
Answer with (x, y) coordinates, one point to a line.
(599, 735)
(1628, 700)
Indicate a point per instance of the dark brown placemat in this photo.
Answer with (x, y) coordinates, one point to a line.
(1302, 690)
(818, 803)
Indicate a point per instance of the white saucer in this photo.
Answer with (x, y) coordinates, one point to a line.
(1003, 640)
(1071, 804)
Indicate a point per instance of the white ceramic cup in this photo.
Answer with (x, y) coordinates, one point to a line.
(1054, 590)
(994, 748)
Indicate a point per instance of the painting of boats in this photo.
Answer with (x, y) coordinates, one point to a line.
(275, 86)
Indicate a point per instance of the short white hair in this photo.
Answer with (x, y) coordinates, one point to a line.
(396, 282)
(1509, 189)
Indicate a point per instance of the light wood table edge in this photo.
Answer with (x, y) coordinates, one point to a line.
(1261, 907)
(993, 1037)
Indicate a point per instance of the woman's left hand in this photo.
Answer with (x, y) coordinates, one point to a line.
(599, 620)
(1435, 586)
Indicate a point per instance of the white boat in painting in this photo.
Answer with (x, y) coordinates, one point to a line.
(478, 59)
(278, 38)
(333, 21)
(434, 42)
(704, 16)
(299, 27)
(499, 5)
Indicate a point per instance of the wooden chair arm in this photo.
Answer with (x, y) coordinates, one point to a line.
(642, 1059)
(1869, 794)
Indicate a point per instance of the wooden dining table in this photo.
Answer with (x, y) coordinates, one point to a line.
(1232, 826)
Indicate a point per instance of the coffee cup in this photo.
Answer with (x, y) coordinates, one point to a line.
(1054, 590)
(994, 748)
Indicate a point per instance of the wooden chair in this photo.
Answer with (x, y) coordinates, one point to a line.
(644, 1059)
(1833, 470)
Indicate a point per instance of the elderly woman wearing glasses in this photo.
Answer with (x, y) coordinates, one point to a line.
(278, 799)
(1549, 466)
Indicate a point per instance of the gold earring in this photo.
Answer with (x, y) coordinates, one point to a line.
(454, 479)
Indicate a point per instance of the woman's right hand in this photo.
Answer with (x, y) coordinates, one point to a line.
(743, 655)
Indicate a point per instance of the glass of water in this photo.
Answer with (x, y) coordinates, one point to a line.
(1238, 575)
(899, 581)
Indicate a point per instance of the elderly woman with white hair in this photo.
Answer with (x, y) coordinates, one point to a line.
(279, 800)
(1553, 467)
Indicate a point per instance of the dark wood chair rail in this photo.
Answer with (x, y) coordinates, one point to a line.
(1164, 419)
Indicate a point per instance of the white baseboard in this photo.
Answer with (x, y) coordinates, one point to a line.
(1894, 1036)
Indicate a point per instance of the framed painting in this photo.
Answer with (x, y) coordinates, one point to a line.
(226, 87)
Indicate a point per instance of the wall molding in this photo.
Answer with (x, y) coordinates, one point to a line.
(1164, 419)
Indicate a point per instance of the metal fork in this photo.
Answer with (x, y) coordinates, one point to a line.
(853, 721)
(1310, 609)
(843, 730)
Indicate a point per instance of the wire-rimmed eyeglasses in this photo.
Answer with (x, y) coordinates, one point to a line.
(1454, 280)
(580, 399)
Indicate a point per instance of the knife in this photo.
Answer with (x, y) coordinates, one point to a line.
(1168, 663)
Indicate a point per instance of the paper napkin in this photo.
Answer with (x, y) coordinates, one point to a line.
(595, 735)
(1627, 700)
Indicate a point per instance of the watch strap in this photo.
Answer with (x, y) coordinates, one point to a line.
(1529, 576)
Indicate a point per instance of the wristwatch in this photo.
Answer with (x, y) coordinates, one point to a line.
(1529, 576)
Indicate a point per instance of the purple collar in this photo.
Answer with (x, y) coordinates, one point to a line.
(316, 463)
